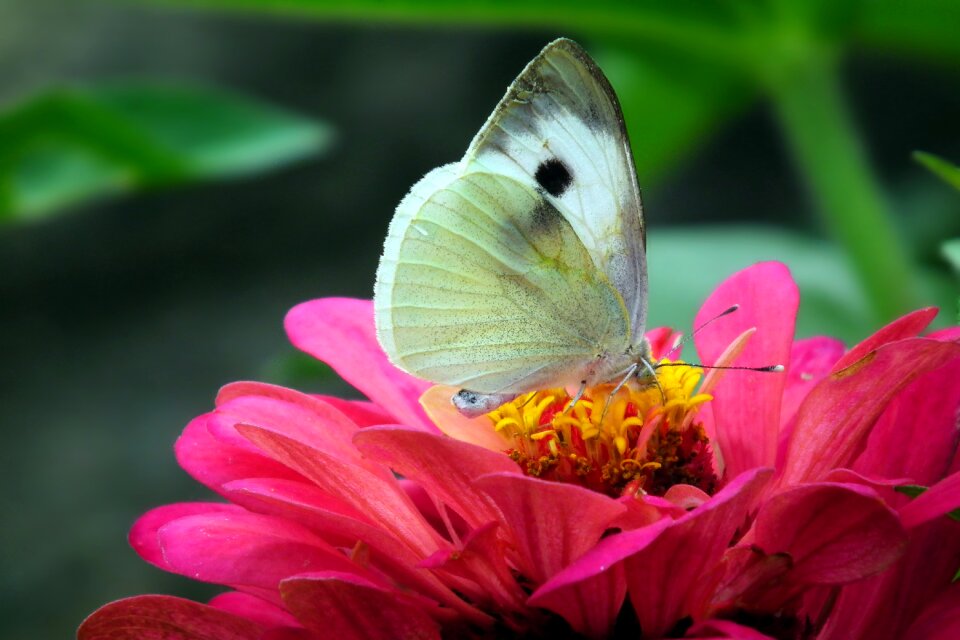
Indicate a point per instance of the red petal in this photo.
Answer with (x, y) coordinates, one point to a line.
(342, 526)
(834, 533)
(245, 549)
(346, 607)
(143, 535)
(296, 415)
(925, 415)
(724, 630)
(833, 422)
(746, 405)
(665, 579)
(360, 412)
(253, 608)
(340, 332)
(445, 467)
(165, 618)
(662, 341)
(810, 361)
(907, 326)
(940, 620)
(552, 523)
(938, 500)
(213, 463)
(666, 561)
(379, 497)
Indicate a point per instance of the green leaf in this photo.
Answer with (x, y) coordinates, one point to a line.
(951, 251)
(69, 145)
(911, 490)
(947, 171)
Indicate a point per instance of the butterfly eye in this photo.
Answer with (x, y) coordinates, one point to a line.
(554, 176)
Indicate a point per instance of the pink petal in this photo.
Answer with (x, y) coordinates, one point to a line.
(833, 422)
(666, 561)
(213, 463)
(925, 415)
(810, 360)
(665, 579)
(662, 341)
(165, 618)
(479, 431)
(296, 415)
(907, 326)
(143, 535)
(481, 561)
(590, 605)
(377, 496)
(346, 607)
(340, 332)
(445, 467)
(834, 533)
(253, 608)
(245, 549)
(746, 405)
(937, 501)
(885, 605)
(341, 525)
(552, 523)
(360, 412)
(940, 620)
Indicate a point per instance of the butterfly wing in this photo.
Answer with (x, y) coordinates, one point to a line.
(560, 129)
(484, 284)
(521, 266)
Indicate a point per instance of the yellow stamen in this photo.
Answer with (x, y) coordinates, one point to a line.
(612, 443)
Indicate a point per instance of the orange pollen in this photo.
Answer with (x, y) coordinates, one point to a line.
(643, 438)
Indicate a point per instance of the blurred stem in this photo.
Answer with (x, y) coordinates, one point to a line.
(825, 145)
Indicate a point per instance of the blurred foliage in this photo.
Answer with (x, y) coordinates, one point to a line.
(949, 172)
(66, 146)
(708, 61)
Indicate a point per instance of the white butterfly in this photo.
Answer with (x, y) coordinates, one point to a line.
(522, 266)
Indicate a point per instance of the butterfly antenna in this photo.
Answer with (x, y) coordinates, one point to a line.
(772, 368)
(685, 339)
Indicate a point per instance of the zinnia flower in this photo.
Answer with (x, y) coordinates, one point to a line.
(747, 505)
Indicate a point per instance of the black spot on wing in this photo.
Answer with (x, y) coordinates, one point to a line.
(554, 176)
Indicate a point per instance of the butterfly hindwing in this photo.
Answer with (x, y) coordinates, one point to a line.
(484, 284)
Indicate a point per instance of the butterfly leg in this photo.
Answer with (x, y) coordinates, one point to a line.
(653, 374)
(630, 373)
(576, 398)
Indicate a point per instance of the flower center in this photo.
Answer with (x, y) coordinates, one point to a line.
(645, 437)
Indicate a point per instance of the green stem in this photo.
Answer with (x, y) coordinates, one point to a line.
(823, 140)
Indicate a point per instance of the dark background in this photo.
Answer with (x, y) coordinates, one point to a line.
(120, 320)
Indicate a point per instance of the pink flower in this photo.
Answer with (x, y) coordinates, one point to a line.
(785, 524)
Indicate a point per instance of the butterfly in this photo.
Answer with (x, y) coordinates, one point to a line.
(523, 265)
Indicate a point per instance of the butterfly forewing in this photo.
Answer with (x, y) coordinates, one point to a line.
(560, 129)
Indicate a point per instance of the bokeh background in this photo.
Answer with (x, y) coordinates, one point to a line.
(175, 175)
